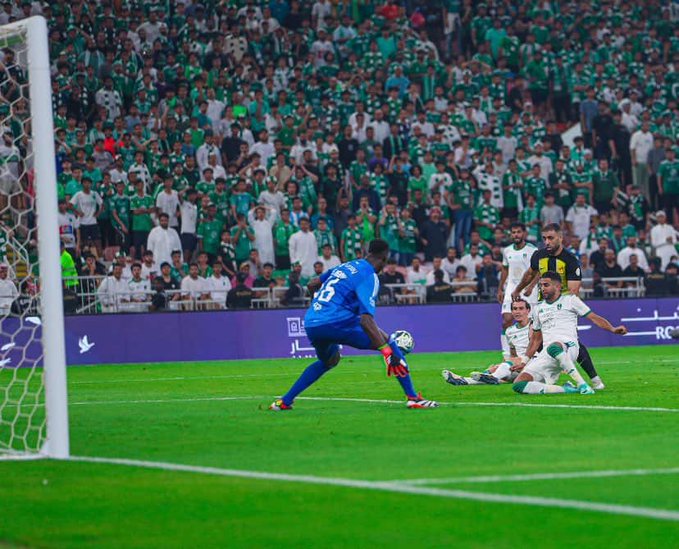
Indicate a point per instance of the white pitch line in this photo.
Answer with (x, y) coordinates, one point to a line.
(382, 401)
(540, 476)
(613, 509)
(507, 404)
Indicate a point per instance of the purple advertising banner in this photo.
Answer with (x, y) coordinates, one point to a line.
(161, 337)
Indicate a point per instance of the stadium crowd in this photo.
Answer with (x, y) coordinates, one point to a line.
(208, 149)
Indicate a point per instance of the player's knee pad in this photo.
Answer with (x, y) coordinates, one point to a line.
(334, 359)
(519, 386)
(554, 349)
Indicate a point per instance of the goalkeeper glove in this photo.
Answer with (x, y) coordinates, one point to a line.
(393, 358)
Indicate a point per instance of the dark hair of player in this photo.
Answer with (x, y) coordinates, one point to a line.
(378, 247)
(521, 301)
(553, 276)
(555, 227)
(516, 224)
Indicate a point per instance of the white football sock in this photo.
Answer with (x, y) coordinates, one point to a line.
(502, 371)
(471, 381)
(569, 367)
(537, 388)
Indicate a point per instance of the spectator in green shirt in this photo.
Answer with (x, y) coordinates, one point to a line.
(282, 232)
(209, 233)
(606, 184)
(142, 206)
(242, 237)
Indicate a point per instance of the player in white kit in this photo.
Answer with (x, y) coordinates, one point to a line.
(555, 328)
(518, 336)
(515, 262)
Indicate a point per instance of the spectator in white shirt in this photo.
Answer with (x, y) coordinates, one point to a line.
(550, 212)
(194, 286)
(472, 261)
(163, 240)
(8, 290)
(415, 273)
(328, 259)
(579, 217)
(263, 147)
(663, 239)
(139, 288)
(630, 250)
(69, 228)
(272, 197)
(450, 263)
(262, 220)
(640, 143)
(545, 163)
(87, 205)
(167, 202)
(218, 285)
(189, 217)
(303, 248)
(204, 151)
(437, 265)
(112, 289)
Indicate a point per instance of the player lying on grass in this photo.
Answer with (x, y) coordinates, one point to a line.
(554, 257)
(518, 337)
(555, 328)
(342, 313)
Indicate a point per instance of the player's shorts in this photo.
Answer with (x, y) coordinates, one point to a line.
(546, 369)
(327, 338)
(507, 301)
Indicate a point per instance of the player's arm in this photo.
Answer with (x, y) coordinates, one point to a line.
(574, 286)
(533, 346)
(604, 324)
(503, 280)
(366, 292)
(528, 278)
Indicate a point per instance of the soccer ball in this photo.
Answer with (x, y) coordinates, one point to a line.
(404, 340)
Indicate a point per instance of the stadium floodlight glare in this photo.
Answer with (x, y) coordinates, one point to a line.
(33, 396)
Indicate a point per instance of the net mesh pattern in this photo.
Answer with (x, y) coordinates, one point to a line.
(22, 412)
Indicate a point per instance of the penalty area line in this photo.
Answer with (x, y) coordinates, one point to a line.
(540, 476)
(613, 509)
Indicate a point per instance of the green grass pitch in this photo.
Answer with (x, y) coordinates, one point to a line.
(214, 415)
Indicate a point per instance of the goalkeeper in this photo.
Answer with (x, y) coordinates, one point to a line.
(518, 337)
(342, 313)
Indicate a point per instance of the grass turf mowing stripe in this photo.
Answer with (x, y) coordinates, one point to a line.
(384, 401)
(266, 376)
(644, 512)
(540, 476)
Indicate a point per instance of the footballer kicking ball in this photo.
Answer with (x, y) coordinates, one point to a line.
(404, 340)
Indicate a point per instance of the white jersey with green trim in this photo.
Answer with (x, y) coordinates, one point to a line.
(518, 337)
(516, 262)
(558, 320)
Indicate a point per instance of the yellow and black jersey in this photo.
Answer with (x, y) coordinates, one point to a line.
(565, 263)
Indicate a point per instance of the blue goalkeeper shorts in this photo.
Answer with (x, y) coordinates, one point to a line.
(327, 338)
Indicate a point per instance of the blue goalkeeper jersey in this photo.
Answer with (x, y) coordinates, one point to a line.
(348, 291)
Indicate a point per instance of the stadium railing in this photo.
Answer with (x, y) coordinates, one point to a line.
(89, 300)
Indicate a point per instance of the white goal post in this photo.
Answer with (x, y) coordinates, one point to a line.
(49, 437)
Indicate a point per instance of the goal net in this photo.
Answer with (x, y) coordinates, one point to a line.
(33, 411)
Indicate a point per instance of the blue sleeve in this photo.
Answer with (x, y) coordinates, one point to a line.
(366, 291)
(325, 276)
